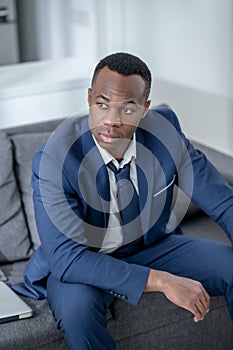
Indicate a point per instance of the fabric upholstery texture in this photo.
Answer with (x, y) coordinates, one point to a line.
(14, 239)
(37, 332)
(25, 145)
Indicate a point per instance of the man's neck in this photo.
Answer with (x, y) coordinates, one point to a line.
(128, 154)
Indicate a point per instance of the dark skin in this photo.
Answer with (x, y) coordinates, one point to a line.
(117, 104)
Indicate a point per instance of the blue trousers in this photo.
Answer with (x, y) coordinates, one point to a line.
(80, 310)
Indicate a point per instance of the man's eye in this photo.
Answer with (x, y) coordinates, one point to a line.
(102, 105)
(126, 110)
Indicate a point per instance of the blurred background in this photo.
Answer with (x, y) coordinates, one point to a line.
(49, 48)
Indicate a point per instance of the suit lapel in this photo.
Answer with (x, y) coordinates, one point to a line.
(145, 174)
(96, 170)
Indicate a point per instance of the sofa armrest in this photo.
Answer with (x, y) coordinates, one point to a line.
(222, 161)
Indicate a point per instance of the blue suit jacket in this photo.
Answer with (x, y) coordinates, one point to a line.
(71, 199)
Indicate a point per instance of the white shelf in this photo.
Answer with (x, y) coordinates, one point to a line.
(26, 79)
(42, 90)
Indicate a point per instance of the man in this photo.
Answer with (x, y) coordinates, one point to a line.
(93, 247)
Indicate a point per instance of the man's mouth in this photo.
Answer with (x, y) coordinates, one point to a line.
(109, 138)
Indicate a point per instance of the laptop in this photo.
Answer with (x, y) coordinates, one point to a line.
(12, 307)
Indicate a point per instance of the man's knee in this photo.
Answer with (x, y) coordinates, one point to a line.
(81, 313)
(74, 305)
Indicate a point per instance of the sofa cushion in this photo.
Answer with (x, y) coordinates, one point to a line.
(37, 332)
(15, 242)
(202, 226)
(25, 146)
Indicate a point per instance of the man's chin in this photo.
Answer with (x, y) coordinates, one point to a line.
(116, 149)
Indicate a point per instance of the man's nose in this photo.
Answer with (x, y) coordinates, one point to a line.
(113, 117)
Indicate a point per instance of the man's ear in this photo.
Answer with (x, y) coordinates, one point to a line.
(146, 107)
(89, 96)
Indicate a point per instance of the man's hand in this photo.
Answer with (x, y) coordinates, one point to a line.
(183, 292)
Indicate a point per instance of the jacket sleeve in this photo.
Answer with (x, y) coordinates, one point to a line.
(68, 259)
(209, 189)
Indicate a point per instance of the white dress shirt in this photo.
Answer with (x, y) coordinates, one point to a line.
(114, 234)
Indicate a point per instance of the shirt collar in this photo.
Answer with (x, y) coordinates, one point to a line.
(129, 154)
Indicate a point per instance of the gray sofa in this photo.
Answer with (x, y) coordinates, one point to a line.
(154, 324)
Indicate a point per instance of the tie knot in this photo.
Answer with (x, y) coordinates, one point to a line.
(122, 173)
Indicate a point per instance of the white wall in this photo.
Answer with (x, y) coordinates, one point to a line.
(111, 26)
(186, 42)
(189, 47)
(198, 36)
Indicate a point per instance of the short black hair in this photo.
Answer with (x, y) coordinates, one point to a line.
(125, 64)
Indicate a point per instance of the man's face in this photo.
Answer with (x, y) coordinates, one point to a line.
(116, 105)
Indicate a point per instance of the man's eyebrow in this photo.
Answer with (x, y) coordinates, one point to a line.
(123, 103)
(129, 102)
(103, 97)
